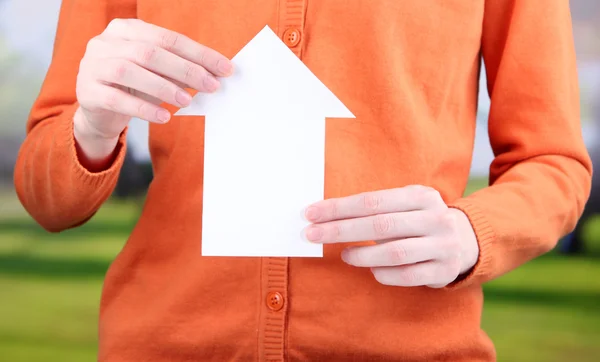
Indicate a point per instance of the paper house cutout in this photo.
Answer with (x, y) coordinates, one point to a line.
(264, 152)
(269, 81)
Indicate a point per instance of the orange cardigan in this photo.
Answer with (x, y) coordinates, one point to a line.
(409, 72)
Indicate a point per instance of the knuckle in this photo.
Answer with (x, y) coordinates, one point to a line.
(417, 189)
(443, 248)
(93, 45)
(133, 21)
(383, 224)
(80, 91)
(381, 276)
(112, 24)
(164, 91)
(335, 209)
(355, 256)
(398, 253)
(410, 277)
(336, 231)
(448, 240)
(111, 101)
(446, 220)
(454, 268)
(86, 97)
(146, 54)
(451, 247)
(168, 40)
(448, 272)
(202, 56)
(142, 110)
(371, 201)
(83, 72)
(208, 80)
(189, 72)
(426, 195)
(116, 25)
(119, 71)
(430, 196)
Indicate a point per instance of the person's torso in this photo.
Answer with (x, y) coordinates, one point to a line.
(409, 71)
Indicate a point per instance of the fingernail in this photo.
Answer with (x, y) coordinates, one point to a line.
(183, 98)
(224, 66)
(314, 233)
(211, 84)
(312, 213)
(345, 256)
(163, 115)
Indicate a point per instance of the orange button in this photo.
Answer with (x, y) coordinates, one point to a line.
(274, 301)
(291, 37)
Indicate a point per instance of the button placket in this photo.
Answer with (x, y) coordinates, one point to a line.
(291, 24)
(274, 309)
(274, 284)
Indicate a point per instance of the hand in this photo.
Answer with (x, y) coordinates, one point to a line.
(419, 240)
(129, 70)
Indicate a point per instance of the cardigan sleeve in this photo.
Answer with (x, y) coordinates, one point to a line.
(51, 183)
(541, 174)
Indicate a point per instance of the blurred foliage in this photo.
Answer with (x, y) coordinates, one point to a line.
(547, 310)
(19, 85)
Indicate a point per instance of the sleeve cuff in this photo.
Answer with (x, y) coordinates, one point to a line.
(111, 173)
(485, 235)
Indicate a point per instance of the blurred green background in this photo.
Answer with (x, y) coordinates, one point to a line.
(547, 310)
(50, 284)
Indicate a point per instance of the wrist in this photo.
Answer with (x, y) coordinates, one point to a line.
(95, 152)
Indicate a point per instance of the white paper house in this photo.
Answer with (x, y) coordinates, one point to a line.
(264, 155)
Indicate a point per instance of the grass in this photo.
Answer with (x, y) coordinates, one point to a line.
(547, 310)
(51, 283)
